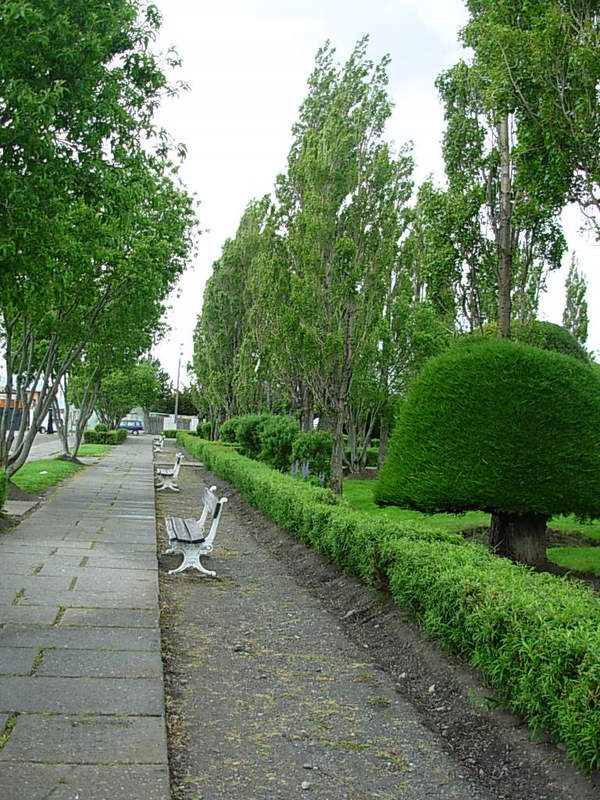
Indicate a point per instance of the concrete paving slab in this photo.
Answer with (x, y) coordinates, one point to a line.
(53, 567)
(3, 720)
(32, 781)
(23, 564)
(109, 617)
(85, 557)
(16, 582)
(16, 508)
(17, 660)
(122, 782)
(87, 740)
(80, 638)
(37, 615)
(92, 581)
(100, 664)
(145, 598)
(40, 695)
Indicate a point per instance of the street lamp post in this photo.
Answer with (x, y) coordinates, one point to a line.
(177, 387)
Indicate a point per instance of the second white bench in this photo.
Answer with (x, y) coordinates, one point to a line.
(188, 536)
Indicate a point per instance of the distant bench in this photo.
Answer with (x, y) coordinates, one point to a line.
(187, 536)
(157, 443)
(167, 475)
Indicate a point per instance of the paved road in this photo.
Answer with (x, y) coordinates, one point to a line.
(81, 691)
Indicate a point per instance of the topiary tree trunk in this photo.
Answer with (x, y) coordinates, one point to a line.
(520, 537)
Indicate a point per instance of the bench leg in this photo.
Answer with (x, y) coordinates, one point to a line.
(167, 483)
(191, 560)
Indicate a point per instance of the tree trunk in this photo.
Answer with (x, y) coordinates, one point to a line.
(504, 231)
(336, 481)
(520, 537)
(307, 411)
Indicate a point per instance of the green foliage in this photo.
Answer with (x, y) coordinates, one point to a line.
(497, 426)
(117, 436)
(314, 447)
(533, 636)
(249, 434)
(277, 436)
(575, 315)
(547, 335)
(204, 429)
(170, 434)
(228, 430)
(101, 428)
(93, 209)
(37, 476)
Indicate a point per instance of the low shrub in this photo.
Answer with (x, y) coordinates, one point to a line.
(249, 433)
(535, 637)
(101, 428)
(170, 434)
(313, 447)
(204, 430)
(228, 430)
(105, 437)
(277, 437)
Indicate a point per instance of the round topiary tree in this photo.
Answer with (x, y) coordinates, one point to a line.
(503, 427)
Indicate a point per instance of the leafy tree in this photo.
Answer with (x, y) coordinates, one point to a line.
(541, 59)
(93, 211)
(343, 198)
(219, 332)
(575, 315)
(120, 390)
(481, 416)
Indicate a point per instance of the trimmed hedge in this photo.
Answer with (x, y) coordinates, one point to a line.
(170, 434)
(105, 437)
(3, 487)
(535, 638)
(497, 426)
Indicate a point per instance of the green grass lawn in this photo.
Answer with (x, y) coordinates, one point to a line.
(93, 450)
(36, 476)
(360, 496)
(583, 559)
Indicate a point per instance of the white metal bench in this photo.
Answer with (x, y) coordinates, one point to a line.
(167, 475)
(188, 537)
(157, 443)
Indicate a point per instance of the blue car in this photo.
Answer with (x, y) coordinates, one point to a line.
(132, 426)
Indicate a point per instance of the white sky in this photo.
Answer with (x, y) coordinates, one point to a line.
(247, 63)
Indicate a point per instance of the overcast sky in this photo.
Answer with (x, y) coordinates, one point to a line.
(247, 63)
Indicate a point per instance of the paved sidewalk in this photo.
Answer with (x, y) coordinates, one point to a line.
(81, 691)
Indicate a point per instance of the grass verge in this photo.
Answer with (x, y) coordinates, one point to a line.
(581, 559)
(93, 450)
(37, 476)
(359, 494)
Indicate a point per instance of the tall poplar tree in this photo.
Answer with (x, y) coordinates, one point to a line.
(344, 194)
